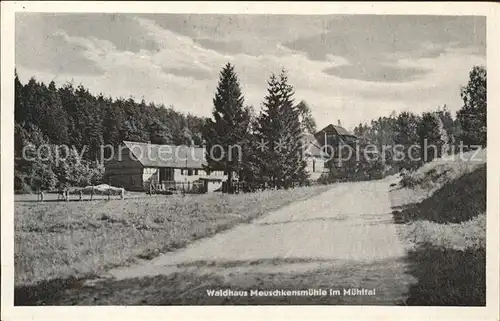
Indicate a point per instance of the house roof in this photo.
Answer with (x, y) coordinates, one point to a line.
(333, 129)
(313, 147)
(153, 155)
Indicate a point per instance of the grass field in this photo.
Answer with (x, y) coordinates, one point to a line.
(442, 211)
(59, 240)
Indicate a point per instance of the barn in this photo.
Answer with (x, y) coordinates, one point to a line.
(140, 166)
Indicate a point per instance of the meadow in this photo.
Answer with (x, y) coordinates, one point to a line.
(60, 240)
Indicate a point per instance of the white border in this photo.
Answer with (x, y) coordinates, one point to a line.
(490, 312)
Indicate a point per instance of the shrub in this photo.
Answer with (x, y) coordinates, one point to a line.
(436, 174)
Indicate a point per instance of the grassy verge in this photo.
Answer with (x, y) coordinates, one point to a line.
(434, 175)
(447, 277)
(443, 221)
(59, 240)
(459, 200)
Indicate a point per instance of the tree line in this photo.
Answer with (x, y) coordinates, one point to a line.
(74, 117)
(281, 124)
(270, 142)
(435, 128)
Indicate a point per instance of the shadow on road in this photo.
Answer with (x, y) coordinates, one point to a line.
(447, 277)
(192, 288)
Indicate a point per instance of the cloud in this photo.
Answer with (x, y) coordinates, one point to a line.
(51, 51)
(122, 30)
(253, 34)
(377, 72)
(353, 76)
(358, 36)
(225, 47)
(373, 44)
(199, 74)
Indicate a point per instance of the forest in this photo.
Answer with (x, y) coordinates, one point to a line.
(68, 116)
(73, 117)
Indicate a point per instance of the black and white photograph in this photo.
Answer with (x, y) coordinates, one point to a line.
(242, 159)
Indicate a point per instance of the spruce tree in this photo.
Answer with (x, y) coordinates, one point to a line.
(20, 112)
(306, 119)
(278, 134)
(54, 119)
(429, 132)
(472, 115)
(267, 134)
(228, 127)
(291, 134)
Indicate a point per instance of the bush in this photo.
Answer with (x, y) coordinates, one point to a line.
(436, 174)
(467, 235)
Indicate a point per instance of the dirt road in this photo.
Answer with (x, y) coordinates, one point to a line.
(344, 238)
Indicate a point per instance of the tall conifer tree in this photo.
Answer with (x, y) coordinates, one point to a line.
(279, 131)
(228, 128)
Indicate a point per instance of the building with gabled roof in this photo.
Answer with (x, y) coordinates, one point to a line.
(138, 166)
(315, 157)
(332, 138)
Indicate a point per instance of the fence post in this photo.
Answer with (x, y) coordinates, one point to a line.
(122, 193)
(67, 195)
(41, 196)
(109, 194)
(92, 193)
(81, 195)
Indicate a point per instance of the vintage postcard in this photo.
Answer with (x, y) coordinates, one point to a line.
(279, 159)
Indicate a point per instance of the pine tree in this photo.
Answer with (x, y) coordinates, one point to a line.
(306, 119)
(291, 134)
(20, 111)
(229, 126)
(267, 134)
(113, 123)
(406, 135)
(89, 123)
(75, 117)
(54, 119)
(70, 104)
(32, 98)
(430, 134)
(279, 131)
(472, 115)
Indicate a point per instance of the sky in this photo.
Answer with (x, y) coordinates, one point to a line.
(352, 68)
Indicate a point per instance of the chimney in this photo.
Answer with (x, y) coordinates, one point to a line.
(338, 122)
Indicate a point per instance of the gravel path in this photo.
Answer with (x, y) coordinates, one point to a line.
(342, 245)
(347, 225)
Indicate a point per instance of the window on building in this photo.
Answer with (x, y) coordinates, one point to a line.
(166, 174)
(195, 172)
(190, 172)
